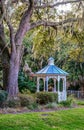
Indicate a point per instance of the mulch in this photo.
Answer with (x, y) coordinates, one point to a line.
(26, 110)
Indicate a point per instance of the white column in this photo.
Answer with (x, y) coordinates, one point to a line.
(58, 83)
(64, 88)
(37, 84)
(64, 84)
(54, 85)
(47, 84)
(58, 90)
(44, 84)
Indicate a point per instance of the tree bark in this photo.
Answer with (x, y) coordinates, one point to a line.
(13, 72)
(5, 68)
(12, 87)
(4, 57)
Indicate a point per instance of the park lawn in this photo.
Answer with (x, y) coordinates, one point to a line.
(72, 119)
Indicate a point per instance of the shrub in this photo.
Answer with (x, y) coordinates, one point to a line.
(46, 97)
(3, 97)
(13, 103)
(51, 105)
(26, 100)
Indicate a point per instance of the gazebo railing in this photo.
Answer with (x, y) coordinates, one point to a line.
(77, 94)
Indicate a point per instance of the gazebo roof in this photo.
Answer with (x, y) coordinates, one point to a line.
(52, 69)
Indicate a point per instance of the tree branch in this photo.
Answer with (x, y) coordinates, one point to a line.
(57, 4)
(24, 24)
(5, 17)
(52, 24)
(13, 47)
(3, 45)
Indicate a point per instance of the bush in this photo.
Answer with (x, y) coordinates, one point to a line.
(13, 103)
(46, 97)
(3, 97)
(26, 100)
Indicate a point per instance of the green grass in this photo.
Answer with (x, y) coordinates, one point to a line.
(72, 119)
(80, 102)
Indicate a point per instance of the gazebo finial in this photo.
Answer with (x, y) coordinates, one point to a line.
(51, 61)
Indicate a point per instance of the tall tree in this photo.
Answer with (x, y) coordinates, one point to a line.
(26, 23)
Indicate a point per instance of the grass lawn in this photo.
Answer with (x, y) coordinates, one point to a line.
(72, 119)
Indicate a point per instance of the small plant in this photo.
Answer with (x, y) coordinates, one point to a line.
(33, 106)
(51, 105)
(69, 102)
(66, 103)
(25, 91)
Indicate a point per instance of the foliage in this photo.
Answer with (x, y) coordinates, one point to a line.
(33, 106)
(69, 55)
(71, 119)
(25, 91)
(64, 48)
(46, 97)
(69, 102)
(3, 97)
(25, 82)
(13, 103)
(80, 102)
(51, 105)
(28, 53)
(26, 100)
(44, 42)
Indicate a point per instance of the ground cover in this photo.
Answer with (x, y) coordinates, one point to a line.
(71, 119)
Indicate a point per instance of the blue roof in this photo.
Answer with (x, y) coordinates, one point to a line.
(52, 69)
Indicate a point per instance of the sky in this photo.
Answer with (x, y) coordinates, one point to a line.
(64, 8)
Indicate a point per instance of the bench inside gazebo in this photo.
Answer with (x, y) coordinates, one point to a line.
(53, 72)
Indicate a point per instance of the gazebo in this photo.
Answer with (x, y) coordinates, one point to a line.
(53, 72)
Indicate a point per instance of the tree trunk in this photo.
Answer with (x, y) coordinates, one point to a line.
(13, 73)
(5, 68)
(13, 79)
(5, 56)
